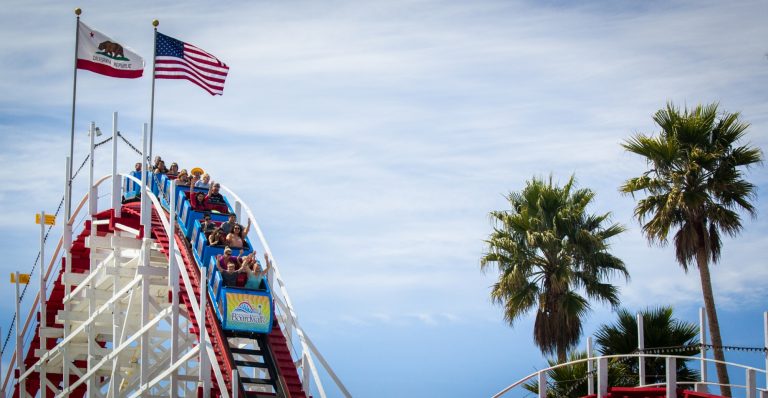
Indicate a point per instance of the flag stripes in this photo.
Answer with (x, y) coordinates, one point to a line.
(175, 59)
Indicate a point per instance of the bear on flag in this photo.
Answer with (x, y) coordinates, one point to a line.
(98, 53)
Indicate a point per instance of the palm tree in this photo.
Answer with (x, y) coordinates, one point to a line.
(660, 329)
(694, 184)
(550, 253)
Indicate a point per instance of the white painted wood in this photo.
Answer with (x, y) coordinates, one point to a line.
(671, 371)
(602, 377)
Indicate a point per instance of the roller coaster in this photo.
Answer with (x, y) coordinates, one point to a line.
(134, 304)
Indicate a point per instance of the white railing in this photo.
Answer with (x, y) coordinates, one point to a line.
(284, 307)
(290, 322)
(671, 383)
(25, 330)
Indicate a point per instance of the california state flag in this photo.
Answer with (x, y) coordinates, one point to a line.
(98, 53)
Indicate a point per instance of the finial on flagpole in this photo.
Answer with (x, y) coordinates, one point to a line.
(155, 22)
(78, 11)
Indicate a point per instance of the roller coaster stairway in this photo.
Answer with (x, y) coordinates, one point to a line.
(55, 303)
(276, 352)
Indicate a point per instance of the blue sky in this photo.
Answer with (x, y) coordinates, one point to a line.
(371, 139)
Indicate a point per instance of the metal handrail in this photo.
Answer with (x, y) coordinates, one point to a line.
(35, 303)
(618, 356)
(308, 348)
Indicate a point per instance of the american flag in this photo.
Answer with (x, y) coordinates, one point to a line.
(175, 59)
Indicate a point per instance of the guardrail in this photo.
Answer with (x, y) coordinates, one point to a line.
(671, 384)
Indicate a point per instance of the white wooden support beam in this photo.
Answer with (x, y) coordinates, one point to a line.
(171, 369)
(69, 336)
(173, 281)
(671, 370)
(751, 383)
(641, 348)
(115, 352)
(602, 377)
(590, 368)
(144, 366)
(205, 371)
(703, 349)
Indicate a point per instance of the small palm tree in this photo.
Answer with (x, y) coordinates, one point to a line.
(571, 380)
(550, 253)
(695, 185)
(660, 329)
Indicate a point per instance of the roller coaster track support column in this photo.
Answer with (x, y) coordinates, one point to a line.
(173, 281)
(205, 371)
(641, 348)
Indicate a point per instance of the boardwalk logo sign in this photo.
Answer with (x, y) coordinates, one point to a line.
(248, 312)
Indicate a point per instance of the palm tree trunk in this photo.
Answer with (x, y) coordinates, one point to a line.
(562, 354)
(714, 325)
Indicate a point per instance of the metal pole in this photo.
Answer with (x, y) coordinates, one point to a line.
(67, 269)
(92, 196)
(703, 349)
(115, 179)
(19, 359)
(235, 383)
(74, 97)
(152, 101)
(765, 328)
(43, 323)
(173, 281)
(542, 377)
(144, 170)
(590, 367)
(641, 348)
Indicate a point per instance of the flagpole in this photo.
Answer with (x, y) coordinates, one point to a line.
(68, 213)
(152, 105)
